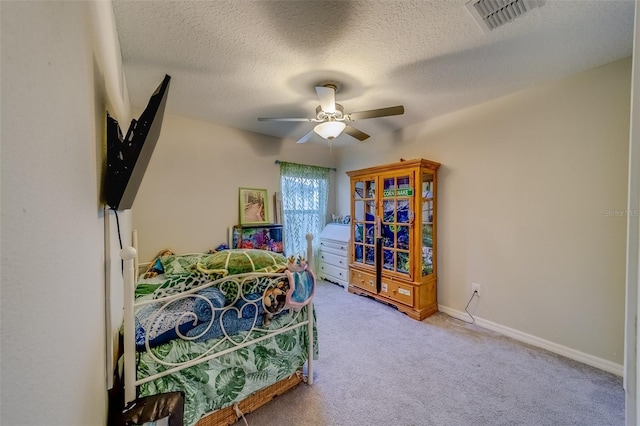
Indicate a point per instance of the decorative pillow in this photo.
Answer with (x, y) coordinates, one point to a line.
(180, 264)
(184, 272)
(274, 298)
(239, 261)
(302, 285)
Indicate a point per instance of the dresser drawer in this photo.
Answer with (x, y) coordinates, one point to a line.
(397, 291)
(333, 259)
(363, 280)
(332, 246)
(333, 272)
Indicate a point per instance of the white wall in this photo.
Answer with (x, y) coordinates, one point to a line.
(189, 195)
(52, 305)
(525, 186)
(632, 403)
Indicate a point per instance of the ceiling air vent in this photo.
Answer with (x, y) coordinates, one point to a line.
(491, 14)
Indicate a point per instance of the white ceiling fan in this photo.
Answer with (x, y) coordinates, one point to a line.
(332, 120)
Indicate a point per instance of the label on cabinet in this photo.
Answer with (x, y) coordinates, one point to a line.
(404, 192)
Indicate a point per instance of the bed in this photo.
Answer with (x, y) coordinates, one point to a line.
(230, 334)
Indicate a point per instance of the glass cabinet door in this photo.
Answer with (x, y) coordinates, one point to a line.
(364, 220)
(396, 221)
(427, 223)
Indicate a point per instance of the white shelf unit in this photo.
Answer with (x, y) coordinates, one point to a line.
(333, 254)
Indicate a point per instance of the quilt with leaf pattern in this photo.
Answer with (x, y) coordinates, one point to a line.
(223, 381)
(230, 378)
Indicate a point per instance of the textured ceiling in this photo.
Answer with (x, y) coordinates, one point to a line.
(231, 62)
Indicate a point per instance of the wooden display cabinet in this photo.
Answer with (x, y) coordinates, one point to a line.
(393, 235)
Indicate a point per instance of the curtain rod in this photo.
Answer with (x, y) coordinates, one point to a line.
(330, 168)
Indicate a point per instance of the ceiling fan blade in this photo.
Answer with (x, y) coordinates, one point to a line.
(327, 98)
(283, 119)
(306, 137)
(358, 134)
(373, 113)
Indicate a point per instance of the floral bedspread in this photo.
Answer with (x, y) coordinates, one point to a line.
(230, 378)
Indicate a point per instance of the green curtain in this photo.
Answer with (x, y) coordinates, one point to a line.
(305, 194)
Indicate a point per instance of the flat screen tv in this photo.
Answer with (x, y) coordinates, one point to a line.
(128, 157)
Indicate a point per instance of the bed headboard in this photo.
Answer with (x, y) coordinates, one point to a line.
(117, 227)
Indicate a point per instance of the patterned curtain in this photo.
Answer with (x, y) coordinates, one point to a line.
(305, 193)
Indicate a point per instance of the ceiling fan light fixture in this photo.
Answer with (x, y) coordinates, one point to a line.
(331, 120)
(330, 129)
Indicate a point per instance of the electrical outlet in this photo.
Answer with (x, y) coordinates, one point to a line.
(475, 288)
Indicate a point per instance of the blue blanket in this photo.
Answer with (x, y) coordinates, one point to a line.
(179, 316)
(231, 323)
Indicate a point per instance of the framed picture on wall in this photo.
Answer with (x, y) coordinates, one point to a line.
(253, 206)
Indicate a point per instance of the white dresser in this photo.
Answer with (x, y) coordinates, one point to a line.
(333, 254)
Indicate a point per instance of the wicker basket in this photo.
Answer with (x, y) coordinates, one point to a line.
(227, 416)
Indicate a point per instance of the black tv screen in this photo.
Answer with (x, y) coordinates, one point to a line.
(128, 157)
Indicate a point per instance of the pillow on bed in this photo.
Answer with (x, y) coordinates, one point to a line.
(180, 264)
(184, 272)
(239, 261)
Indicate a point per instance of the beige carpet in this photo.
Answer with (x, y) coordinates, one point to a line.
(379, 367)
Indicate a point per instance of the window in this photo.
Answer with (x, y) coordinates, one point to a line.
(305, 193)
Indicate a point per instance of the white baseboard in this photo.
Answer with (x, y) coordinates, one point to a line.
(576, 355)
